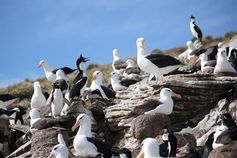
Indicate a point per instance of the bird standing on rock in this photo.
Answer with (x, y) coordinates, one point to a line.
(196, 31)
(79, 83)
(222, 64)
(50, 73)
(155, 64)
(166, 104)
(97, 84)
(60, 150)
(38, 100)
(119, 85)
(118, 65)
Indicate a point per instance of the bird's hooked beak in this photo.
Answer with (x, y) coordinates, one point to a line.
(75, 126)
(93, 78)
(51, 155)
(86, 59)
(197, 61)
(176, 95)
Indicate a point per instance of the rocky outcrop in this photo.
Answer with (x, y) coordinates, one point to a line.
(200, 93)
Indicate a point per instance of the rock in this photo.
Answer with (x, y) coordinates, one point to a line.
(149, 126)
(43, 140)
(226, 151)
(197, 100)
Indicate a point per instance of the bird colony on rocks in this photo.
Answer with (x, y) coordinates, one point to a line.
(150, 110)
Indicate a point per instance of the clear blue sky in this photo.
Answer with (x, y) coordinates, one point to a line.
(60, 30)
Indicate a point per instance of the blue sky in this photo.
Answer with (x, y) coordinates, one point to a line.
(60, 30)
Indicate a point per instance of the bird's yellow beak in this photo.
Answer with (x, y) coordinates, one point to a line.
(176, 95)
(51, 155)
(197, 61)
(75, 126)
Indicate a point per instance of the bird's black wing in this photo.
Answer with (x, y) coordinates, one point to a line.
(108, 92)
(198, 52)
(46, 95)
(164, 149)
(101, 146)
(19, 117)
(75, 88)
(212, 52)
(211, 63)
(66, 70)
(163, 60)
(6, 97)
(196, 28)
(128, 82)
(6, 112)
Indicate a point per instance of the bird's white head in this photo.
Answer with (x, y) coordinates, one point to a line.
(130, 63)
(36, 84)
(82, 120)
(114, 75)
(141, 43)
(203, 57)
(190, 45)
(34, 113)
(221, 54)
(150, 147)
(219, 130)
(115, 53)
(167, 92)
(97, 77)
(59, 151)
(41, 63)
(60, 74)
(220, 45)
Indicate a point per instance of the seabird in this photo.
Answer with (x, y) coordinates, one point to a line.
(60, 150)
(38, 99)
(222, 64)
(206, 66)
(56, 101)
(151, 148)
(218, 132)
(131, 70)
(84, 122)
(123, 152)
(232, 56)
(34, 118)
(79, 84)
(7, 114)
(191, 48)
(155, 64)
(6, 100)
(118, 65)
(211, 52)
(50, 73)
(196, 31)
(169, 147)
(86, 145)
(118, 84)
(47, 70)
(97, 84)
(166, 104)
(17, 116)
(61, 81)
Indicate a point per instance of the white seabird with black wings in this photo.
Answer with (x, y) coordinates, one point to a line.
(155, 64)
(97, 84)
(118, 84)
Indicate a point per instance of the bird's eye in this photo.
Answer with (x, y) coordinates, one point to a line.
(55, 148)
